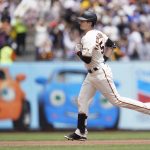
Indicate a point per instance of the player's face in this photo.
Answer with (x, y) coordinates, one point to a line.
(85, 25)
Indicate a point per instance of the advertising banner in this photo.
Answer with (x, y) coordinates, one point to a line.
(139, 86)
(43, 95)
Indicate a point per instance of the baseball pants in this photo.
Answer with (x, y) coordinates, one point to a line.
(102, 80)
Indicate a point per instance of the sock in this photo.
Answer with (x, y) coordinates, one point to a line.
(81, 122)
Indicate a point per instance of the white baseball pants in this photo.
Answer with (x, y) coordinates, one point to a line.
(102, 81)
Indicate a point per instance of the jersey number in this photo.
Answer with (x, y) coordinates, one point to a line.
(102, 47)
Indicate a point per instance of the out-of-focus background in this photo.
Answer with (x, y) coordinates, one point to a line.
(48, 29)
(40, 75)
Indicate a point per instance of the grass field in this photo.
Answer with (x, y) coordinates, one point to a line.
(101, 140)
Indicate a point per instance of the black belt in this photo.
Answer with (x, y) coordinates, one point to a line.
(92, 70)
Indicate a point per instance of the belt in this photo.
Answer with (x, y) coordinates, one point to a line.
(93, 69)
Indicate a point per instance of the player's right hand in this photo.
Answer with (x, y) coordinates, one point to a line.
(78, 48)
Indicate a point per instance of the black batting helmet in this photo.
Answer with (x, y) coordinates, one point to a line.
(88, 16)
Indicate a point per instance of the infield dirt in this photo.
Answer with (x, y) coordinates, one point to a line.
(66, 142)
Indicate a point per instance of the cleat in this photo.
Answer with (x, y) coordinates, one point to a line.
(75, 136)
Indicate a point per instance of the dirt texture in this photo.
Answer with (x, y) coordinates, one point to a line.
(66, 142)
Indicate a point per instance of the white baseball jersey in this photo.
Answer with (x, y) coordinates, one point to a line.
(93, 44)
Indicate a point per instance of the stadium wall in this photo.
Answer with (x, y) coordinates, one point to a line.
(133, 79)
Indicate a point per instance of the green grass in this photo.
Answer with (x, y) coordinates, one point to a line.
(100, 135)
(53, 136)
(99, 147)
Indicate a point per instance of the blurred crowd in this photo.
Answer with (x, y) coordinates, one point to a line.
(53, 27)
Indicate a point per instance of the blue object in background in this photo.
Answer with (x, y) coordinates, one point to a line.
(58, 102)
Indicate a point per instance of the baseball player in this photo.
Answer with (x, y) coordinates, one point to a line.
(94, 50)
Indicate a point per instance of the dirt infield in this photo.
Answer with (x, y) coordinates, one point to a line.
(65, 143)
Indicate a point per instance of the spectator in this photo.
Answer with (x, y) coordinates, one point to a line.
(5, 15)
(135, 43)
(71, 37)
(3, 36)
(115, 18)
(145, 48)
(21, 31)
(7, 55)
(43, 43)
(57, 35)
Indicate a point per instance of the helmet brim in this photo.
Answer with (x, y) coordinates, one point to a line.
(82, 19)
